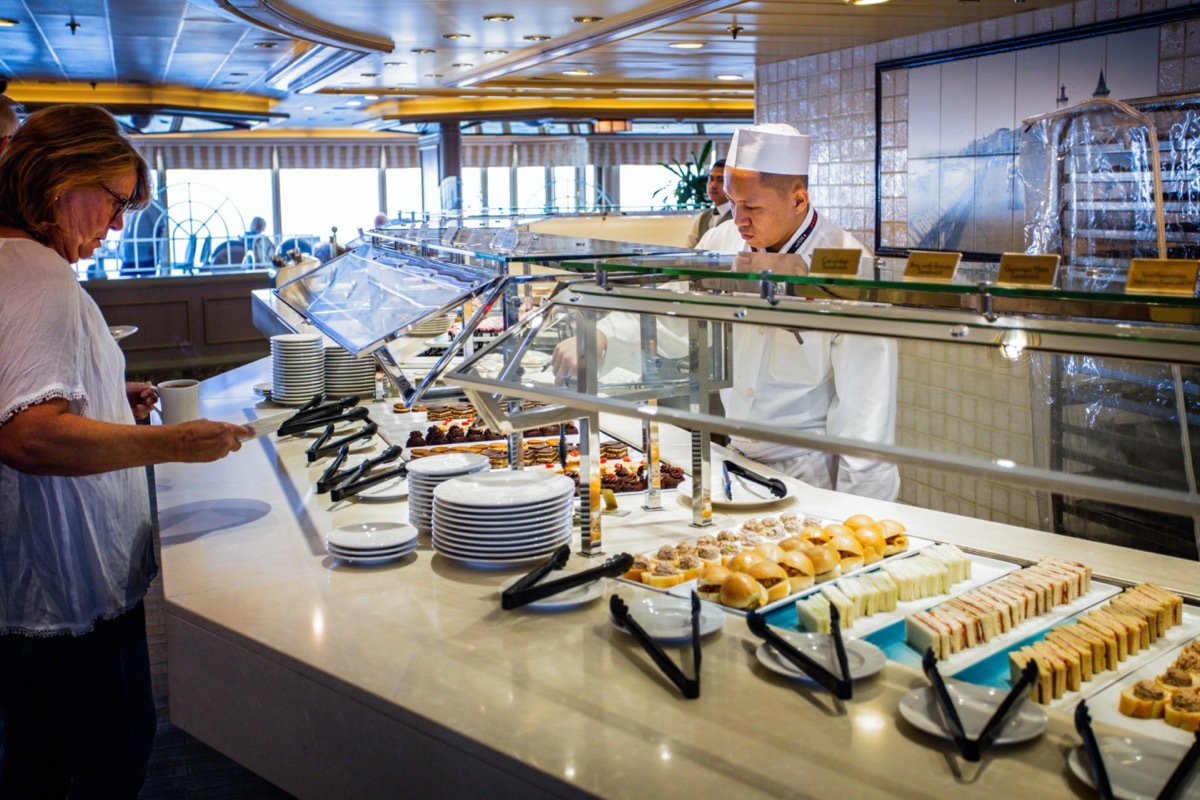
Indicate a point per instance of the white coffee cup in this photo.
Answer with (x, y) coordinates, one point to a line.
(180, 401)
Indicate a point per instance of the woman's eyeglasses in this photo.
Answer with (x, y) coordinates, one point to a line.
(120, 205)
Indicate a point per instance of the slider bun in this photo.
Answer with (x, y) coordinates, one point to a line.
(742, 591)
(708, 586)
(825, 560)
(800, 570)
(891, 527)
(791, 543)
(859, 521)
(744, 560)
(873, 542)
(773, 578)
(836, 530)
(846, 545)
(770, 551)
(814, 533)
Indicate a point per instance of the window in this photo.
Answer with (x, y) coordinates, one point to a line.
(210, 212)
(404, 192)
(472, 190)
(531, 187)
(565, 186)
(639, 183)
(316, 200)
(499, 188)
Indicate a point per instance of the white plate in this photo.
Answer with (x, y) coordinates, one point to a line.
(363, 555)
(263, 390)
(486, 522)
(669, 620)
(1137, 768)
(863, 658)
(120, 332)
(469, 532)
(746, 494)
(975, 706)
(505, 487)
(492, 563)
(371, 535)
(470, 546)
(294, 403)
(448, 465)
(543, 547)
(571, 598)
(505, 509)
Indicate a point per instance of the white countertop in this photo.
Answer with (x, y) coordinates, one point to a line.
(308, 670)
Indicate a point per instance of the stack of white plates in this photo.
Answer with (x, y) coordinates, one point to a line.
(371, 541)
(345, 374)
(297, 368)
(425, 474)
(502, 517)
(433, 326)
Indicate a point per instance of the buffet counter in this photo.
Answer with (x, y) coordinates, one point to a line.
(334, 680)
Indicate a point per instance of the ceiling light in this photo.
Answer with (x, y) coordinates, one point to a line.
(686, 45)
(423, 51)
(239, 74)
(495, 52)
(537, 38)
(354, 103)
(462, 66)
(433, 75)
(578, 73)
(611, 125)
(456, 36)
(395, 63)
(728, 77)
(266, 45)
(498, 17)
(865, 2)
(8, 23)
(229, 83)
(586, 19)
(308, 108)
(370, 97)
(368, 74)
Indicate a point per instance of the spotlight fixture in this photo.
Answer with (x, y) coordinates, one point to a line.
(462, 66)
(686, 45)
(498, 17)
(395, 63)
(368, 74)
(423, 51)
(434, 75)
(456, 36)
(586, 19)
(728, 77)
(865, 2)
(309, 108)
(495, 52)
(537, 38)
(578, 73)
(8, 23)
(266, 45)
(239, 74)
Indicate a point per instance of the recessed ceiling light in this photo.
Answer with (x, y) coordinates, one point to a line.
(462, 66)
(578, 73)
(8, 23)
(239, 74)
(370, 97)
(229, 83)
(537, 38)
(495, 52)
(728, 77)
(423, 51)
(354, 103)
(308, 108)
(686, 45)
(368, 74)
(586, 19)
(395, 63)
(865, 2)
(456, 36)
(267, 45)
(498, 17)
(434, 75)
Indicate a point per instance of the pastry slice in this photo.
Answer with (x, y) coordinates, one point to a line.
(1183, 710)
(1143, 700)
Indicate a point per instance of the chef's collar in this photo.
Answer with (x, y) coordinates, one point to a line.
(804, 230)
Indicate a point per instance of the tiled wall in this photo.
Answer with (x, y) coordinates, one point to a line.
(945, 403)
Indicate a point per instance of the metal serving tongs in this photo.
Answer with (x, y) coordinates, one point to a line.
(972, 749)
(339, 411)
(322, 446)
(839, 685)
(689, 686)
(334, 476)
(777, 487)
(527, 590)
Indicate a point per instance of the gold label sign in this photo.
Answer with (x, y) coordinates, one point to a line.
(1162, 276)
(837, 262)
(1019, 269)
(926, 265)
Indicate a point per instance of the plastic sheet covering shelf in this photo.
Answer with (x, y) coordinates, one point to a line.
(1093, 191)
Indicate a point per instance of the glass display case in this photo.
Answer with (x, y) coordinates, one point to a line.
(676, 333)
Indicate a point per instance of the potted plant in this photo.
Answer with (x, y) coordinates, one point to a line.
(690, 190)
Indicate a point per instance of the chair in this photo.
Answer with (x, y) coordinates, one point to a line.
(228, 254)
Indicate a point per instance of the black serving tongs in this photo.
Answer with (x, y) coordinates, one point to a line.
(342, 411)
(972, 749)
(334, 476)
(777, 487)
(1083, 724)
(358, 484)
(839, 685)
(1180, 777)
(322, 446)
(527, 590)
(689, 686)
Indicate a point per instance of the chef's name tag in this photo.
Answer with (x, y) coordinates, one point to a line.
(1028, 271)
(1162, 276)
(926, 265)
(835, 262)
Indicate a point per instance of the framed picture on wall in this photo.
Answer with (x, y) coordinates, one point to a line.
(947, 154)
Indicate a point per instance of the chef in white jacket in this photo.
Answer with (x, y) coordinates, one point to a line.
(824, 383)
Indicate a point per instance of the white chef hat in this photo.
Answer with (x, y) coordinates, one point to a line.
(771, 147)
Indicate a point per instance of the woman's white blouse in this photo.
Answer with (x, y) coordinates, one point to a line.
(72, 550)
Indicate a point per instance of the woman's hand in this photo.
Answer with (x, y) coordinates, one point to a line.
(142, 398)
(205, 440)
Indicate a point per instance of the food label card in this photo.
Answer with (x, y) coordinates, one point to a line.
(1162, 276)
(836, 262)
(927, 265)
(1021, 270)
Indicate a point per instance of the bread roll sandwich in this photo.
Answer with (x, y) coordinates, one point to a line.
(858, 521)
(849, 550)
(744, 560)
(800, 570)
(773, 578)
(872, 541)
(742, 592)
(825, 561)
(895, 535)
(770, 551)
(711, 579)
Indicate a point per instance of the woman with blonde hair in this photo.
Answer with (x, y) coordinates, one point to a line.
(76, 548)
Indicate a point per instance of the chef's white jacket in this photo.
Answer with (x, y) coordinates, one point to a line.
(833, 383)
